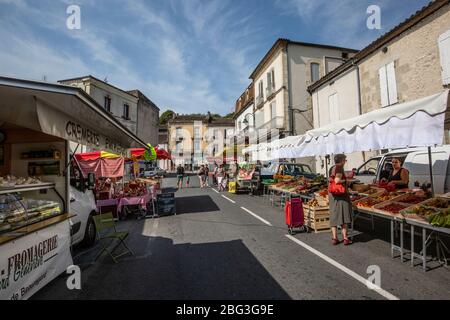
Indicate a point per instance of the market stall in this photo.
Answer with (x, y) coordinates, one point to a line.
(418, 123)
(247, 179)
(38, 124)
(112, 193)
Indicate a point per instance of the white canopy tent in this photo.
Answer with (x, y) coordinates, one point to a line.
(418, 123)
(271, 150)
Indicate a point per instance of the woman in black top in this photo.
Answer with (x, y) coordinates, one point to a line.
(399, 176)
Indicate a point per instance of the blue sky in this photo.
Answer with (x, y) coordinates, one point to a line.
(187, 55)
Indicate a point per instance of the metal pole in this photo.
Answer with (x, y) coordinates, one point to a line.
(430, 163)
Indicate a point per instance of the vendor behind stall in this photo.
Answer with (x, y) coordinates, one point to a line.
(398, 176)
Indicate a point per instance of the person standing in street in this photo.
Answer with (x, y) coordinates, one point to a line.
(220, 175)
(341, 210)
(180, 176)
(206, 176)
(201, 176)
(216, 168)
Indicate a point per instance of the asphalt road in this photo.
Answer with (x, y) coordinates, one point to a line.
(238, 248)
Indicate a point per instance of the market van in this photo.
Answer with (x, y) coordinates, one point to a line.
(416, 161)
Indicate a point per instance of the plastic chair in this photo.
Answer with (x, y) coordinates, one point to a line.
(106, 229)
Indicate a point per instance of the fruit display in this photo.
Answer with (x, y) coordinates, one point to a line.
(387, 196)
(356, 197)
(421, 211)
(440, 203)
(298, 185)
(441, 219)
(411, 199)
(312, 203)
(367, 202)
(393, 207)
(12, 181)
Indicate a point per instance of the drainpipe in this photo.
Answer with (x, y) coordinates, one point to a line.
(358, 84)
(290, 111)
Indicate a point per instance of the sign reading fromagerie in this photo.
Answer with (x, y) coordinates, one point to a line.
(29, 263)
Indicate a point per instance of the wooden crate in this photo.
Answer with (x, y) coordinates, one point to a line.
(318, 224)
(317, 218)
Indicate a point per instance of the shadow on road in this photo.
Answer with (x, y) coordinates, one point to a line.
(195, 204)
(160, 269)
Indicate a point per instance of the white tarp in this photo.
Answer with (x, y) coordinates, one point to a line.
(271, 151)
(411, 124)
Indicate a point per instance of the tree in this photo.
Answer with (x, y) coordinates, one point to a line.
(229, 116)
(166, 116)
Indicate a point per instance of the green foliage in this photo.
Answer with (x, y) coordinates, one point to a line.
(166, 116)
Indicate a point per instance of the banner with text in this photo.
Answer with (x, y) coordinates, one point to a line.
(29, 263)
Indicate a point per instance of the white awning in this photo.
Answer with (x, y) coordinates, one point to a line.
(418, 123)
(277, 149)
(65, 112)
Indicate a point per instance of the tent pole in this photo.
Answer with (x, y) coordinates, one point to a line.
(430, 163)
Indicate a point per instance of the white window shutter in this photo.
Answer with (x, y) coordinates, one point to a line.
(444, 51)
(273, 78)
(331, 108)
(392, 83)
(383, 87)
(337, 117)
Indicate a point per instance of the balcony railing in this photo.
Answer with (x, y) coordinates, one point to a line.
(270, 91)
(274, 123)
(259, 101)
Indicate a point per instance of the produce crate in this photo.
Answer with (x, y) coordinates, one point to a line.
(317, 218)
(412, 214)
(432, 202)
(318, 224)
(360, 197)
(405, 197)
(360, 187)
(375, 193)
(365, 201)
(380, 208)
(323, 201)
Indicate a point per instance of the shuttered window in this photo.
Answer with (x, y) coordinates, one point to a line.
(333, 108)
(444, 52)
(388, 85)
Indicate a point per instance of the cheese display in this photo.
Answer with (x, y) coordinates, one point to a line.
(16, 212)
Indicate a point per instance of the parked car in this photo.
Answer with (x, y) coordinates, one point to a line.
(286, 168)
(415, 160)
(154, 171)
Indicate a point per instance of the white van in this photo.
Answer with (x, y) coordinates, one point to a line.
(83, 206)
(415, 160)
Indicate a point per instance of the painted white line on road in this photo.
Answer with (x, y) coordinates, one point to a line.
(256, 216)
(351, 273)
(232, 201)
(215, 190)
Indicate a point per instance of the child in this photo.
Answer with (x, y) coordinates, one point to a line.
(187, 182)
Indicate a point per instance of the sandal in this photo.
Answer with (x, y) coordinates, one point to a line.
(335, 242)
(347, 242)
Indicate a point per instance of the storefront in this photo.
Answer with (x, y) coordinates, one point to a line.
(44, 209)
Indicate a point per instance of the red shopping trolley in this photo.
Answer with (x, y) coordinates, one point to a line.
(294, 215)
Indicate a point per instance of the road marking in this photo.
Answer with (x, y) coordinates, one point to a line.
(351, 273)
(232, 201)
(256, 216)
(215, 190)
